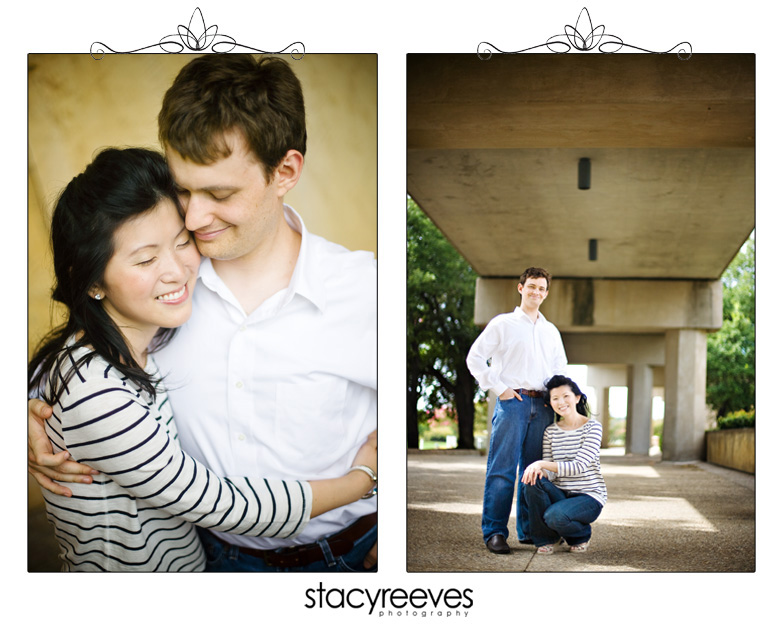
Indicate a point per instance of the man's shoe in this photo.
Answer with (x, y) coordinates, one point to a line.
(497, 544)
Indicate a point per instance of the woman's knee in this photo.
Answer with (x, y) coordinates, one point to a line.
(535, 488)
(555, 518)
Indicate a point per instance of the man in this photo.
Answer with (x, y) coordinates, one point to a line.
(524, 351)
(275, 373)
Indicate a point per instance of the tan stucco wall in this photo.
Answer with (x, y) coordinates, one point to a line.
(78, 105)
(732, 448)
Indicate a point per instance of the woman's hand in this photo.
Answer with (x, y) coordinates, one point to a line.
(368, 453)
(533, 472)
(331, 493)
(45, 466)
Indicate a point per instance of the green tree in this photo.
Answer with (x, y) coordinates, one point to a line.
(731, 350)
(440, 329)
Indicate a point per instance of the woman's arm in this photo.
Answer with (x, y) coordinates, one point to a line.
(46, 467)
(537, 469)
(105, 425)
(331, 493)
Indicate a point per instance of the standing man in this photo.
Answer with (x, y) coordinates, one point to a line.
(524, 351)
(275, 373)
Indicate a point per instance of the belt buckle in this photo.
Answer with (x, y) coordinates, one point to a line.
(278, 557)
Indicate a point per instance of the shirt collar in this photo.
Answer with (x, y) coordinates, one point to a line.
(518, 312)
(306, 280)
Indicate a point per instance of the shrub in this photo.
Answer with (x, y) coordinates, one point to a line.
(737, 419)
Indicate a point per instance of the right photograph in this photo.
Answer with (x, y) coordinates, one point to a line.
(580, 313)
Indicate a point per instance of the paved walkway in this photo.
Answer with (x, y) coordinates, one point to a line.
(660, 517)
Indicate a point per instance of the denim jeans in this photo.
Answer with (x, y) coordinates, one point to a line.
(557, 514)
(515, 441)
(221, 559)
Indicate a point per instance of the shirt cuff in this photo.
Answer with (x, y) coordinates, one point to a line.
(499, 389)
(307, 508)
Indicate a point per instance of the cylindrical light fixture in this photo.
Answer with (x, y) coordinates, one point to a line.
(593, 249)
(584, 174)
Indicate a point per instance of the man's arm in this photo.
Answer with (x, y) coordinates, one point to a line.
(45, 466)
(481, 351)
(559, 356)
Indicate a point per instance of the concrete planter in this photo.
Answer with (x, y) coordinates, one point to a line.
(732, 448)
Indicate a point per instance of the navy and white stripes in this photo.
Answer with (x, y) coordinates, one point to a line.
(137, 514)
(576, 453)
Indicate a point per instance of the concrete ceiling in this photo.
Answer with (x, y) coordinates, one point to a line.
(493, 148)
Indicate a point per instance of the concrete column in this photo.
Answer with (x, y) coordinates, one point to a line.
(603, 409)
(638, 413)
(683, 433)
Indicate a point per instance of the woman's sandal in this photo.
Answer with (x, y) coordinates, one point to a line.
(545, 549)
(579, 548)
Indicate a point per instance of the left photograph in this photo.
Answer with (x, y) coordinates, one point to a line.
(202, 313)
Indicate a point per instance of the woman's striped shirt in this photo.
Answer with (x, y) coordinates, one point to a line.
(137, 514)
(576, 453)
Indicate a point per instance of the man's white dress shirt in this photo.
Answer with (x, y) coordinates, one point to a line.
(288, 391)
(523, 353)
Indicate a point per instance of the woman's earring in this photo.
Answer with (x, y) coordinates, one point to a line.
(97, 297)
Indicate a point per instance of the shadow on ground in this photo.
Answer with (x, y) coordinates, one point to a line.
(660, 517)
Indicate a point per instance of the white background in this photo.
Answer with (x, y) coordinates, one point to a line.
(391, 30)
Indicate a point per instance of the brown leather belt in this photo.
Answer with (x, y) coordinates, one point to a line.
(340, 543)
(531, 393)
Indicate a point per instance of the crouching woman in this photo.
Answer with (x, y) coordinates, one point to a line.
(565, 490)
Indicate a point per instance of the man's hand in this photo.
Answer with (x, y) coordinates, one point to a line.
(371, 559)
(45, 466)
(510, 393)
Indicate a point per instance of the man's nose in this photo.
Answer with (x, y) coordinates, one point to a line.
(197, 214)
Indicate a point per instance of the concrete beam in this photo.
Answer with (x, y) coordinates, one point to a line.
(614, 348)
(607, 305)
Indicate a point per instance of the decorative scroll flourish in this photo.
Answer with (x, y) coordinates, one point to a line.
(583, 37)
(196, 37)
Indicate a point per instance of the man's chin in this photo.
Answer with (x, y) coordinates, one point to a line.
(213, 251)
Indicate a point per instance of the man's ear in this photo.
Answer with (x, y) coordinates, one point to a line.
(288, 171)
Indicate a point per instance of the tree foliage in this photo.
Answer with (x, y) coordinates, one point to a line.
(440, 328)
(731, 350)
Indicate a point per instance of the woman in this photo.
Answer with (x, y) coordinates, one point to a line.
(565, 490)
(125, 267)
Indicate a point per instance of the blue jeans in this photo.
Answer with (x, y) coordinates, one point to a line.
(515, 441)
(557, 514)
(221, 559)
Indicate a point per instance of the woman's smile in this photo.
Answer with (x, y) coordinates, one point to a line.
(174, 298)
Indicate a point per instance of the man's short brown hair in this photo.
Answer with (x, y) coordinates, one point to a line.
(535, 273)
(218, 93)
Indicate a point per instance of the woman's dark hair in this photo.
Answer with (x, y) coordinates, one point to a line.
(118, 185)
(561, 380)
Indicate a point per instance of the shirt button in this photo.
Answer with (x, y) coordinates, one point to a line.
(243, 328)
(238, 385)
(241, 437)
